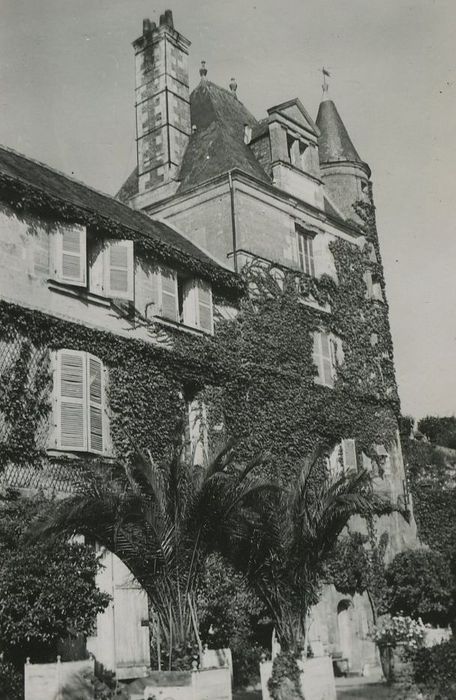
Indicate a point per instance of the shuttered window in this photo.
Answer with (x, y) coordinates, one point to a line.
(70, 255)
(80, 416)
(349, 454)
(327, 355)
(323, 357)
(197, 306)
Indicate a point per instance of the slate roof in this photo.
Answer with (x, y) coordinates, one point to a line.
(40, 177)
(334, 143)
(216, 146)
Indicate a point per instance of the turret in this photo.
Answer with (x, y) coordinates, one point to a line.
(345, 175)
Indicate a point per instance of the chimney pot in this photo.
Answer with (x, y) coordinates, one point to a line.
(169, 18)
(233, 86)
(146, 26)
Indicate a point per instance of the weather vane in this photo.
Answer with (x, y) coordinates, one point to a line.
(326, 74)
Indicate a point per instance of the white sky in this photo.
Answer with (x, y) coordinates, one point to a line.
(66, 98)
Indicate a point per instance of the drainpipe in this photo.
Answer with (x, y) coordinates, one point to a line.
(233, 221)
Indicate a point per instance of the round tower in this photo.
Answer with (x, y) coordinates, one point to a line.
(345, 175)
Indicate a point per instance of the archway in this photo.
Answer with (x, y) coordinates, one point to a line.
(345, 625)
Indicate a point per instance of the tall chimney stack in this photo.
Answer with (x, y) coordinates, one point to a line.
(162, 103)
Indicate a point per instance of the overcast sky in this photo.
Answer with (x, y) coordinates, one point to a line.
(66, 98)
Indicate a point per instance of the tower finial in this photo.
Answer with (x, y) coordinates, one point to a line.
(203, 70)
(325, 86)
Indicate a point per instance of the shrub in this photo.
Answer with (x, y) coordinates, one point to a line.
(420, 585)
(435, 668)
(440, 431)
(400, 629)
(11, 682)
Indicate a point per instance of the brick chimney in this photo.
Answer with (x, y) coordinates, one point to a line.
(162, 103)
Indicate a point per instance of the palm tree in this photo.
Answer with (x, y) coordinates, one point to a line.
(162, 522)
(291, 538)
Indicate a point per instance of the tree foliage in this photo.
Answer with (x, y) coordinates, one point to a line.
(162, 521)
(439, 430)
(47, 589)
(420, 585)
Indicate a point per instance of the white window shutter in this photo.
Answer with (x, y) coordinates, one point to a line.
(349, 454)
(119, 269)
(70, 258)
(41, 253)
(205, 316)
(326, 360)
(95, 404)
(169, 307)
(70, 398)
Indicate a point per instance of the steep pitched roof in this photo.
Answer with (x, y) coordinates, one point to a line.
(217, 144)
(334, 143)
(89, 204)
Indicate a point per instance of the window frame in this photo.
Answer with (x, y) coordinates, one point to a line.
(305, 249)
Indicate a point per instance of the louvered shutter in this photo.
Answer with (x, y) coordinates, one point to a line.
(119, 269)
(95, 404)
(169, 300)
(71, 400)
(204, 294)
(326, 360)
(349, 454)
(41, 253)
(70, 262)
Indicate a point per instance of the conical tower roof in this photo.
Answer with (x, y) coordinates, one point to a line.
(334, 144)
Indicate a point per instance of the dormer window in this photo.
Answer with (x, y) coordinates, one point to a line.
(296, 150)
(305, 250)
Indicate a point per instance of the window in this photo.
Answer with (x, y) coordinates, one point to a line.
(327, 354)
(185, 300)
(305, 251)
(80, 415)
(104, 267)
(70, 263)
(373, 286)
(343, 458)
(111, 272)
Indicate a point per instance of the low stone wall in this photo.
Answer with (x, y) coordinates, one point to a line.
(68, 680)
(201, 684)
(317, 679)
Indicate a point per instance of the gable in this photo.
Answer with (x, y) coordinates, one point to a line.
(295, 111)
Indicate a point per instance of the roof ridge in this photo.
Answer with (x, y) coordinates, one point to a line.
(58, 172)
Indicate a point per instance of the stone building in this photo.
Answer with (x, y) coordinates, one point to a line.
(280, 189)
(100, 293)
(82, 277)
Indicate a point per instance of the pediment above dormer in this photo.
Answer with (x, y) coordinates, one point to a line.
(294, 112)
